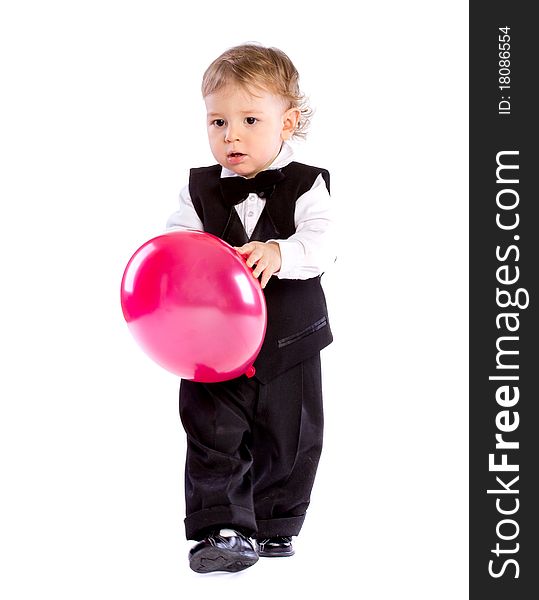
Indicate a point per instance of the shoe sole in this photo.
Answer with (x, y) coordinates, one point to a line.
(277, 554)
(209, 560)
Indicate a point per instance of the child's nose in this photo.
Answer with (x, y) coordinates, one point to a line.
(231, 134)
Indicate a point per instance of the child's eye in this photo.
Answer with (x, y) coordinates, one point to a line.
(251, 120)
(218, 122)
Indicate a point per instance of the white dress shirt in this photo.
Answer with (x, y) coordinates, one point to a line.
(305, 254)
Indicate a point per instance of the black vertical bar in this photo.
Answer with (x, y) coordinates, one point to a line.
(504, 256)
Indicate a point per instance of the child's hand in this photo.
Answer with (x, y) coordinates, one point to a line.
(264, 256)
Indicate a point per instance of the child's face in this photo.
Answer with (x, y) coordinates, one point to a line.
(246, 130)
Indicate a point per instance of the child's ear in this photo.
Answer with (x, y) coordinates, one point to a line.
(290, 123)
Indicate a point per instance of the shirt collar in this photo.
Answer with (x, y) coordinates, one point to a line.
(285, 157)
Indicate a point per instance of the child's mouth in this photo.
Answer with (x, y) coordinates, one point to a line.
(235, 157)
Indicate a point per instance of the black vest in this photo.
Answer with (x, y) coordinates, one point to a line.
(298, 325)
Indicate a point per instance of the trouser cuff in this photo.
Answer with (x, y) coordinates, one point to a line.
(198, 524)
(287, 526)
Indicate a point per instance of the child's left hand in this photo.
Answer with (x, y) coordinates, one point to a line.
(264, 256)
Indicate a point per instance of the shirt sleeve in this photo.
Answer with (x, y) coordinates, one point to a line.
(311, 250)
(186, 216)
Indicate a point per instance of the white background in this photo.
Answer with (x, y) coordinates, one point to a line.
(101, 118)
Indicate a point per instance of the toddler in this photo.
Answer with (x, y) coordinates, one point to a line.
(253, 444)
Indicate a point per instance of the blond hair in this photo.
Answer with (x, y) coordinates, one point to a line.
(253, 65)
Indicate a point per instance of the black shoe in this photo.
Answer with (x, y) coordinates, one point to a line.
(275, 546)
(224, 550)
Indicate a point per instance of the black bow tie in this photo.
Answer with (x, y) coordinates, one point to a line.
(236, 189)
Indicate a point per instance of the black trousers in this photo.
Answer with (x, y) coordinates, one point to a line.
(252, 451)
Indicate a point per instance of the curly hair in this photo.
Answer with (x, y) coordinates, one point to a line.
(253, 65)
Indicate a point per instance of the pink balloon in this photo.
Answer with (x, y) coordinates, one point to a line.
(194, 307)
